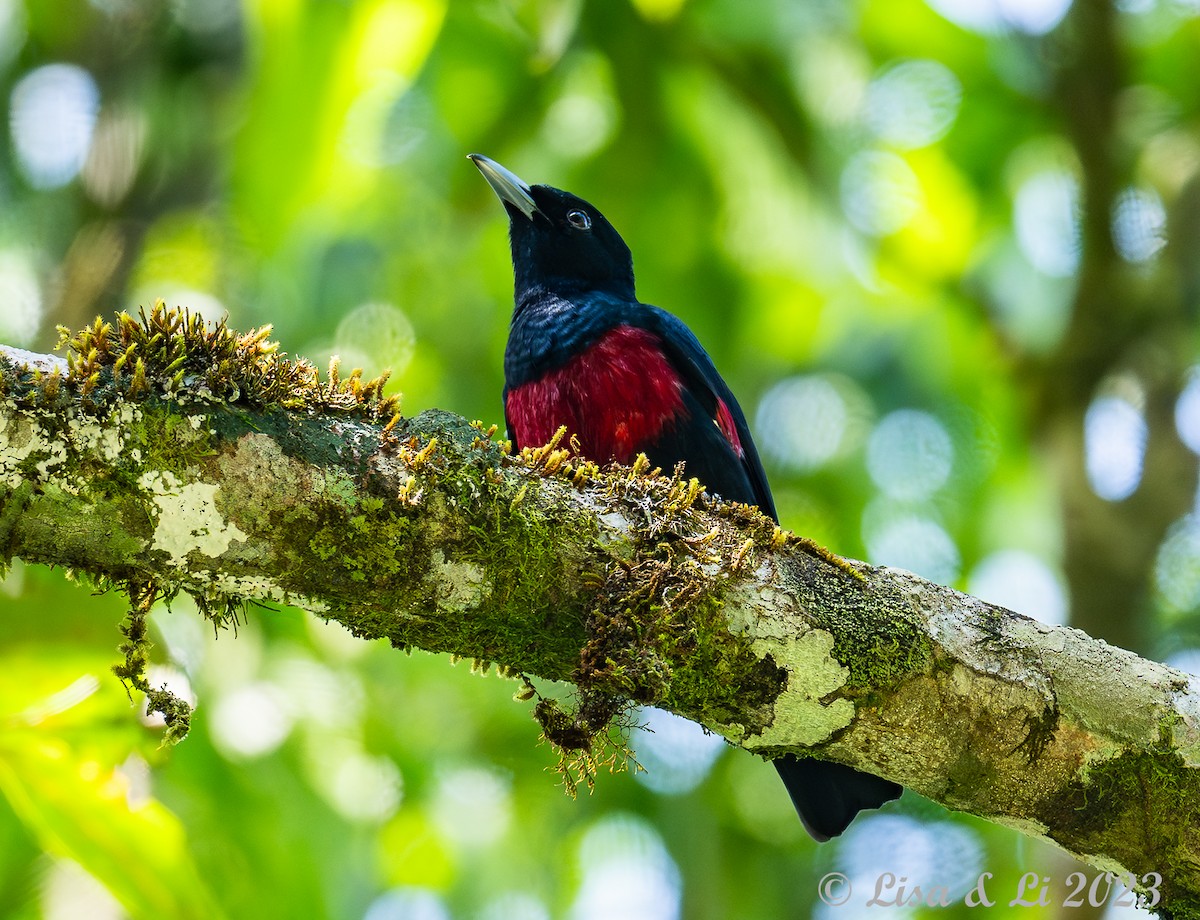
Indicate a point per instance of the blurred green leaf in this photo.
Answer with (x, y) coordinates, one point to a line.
(80, 808)
(327, 77)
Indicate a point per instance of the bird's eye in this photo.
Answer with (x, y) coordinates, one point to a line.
(579, 220)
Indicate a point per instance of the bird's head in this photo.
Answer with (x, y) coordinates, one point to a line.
(560, 243)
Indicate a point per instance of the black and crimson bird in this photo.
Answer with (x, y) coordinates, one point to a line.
(627, 378)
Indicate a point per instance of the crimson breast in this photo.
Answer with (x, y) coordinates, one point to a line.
(617, 397)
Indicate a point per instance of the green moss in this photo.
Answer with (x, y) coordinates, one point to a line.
(1146, 796)
(135, 648)
(155, 437)
(361, 548)
(120, 526)
(880, 639)
(519, 567)
(1154, 785)
(881, 659)
(720, 675)
(169, 351)
(12, 504)
(492, 578)
(520, 553)
(657, 632)
(169, 441)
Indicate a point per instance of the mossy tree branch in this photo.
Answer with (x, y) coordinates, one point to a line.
(632, 587)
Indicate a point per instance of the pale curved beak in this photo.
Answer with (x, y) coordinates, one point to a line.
(508, 186)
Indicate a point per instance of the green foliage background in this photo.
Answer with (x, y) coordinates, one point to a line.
(301, 163)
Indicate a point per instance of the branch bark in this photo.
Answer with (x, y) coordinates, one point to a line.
(630, 586)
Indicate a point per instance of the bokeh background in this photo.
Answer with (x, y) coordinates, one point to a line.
(945, 251)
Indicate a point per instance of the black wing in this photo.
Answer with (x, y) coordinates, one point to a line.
(707, 387)
(508, 425)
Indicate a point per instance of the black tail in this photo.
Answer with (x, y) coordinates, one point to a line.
(828, 795)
